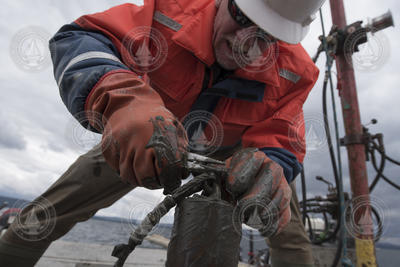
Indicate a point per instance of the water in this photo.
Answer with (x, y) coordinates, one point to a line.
(112, 233)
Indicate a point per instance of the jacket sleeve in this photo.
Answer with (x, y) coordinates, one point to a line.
(282, 135)
(85, 50)
(80, 58)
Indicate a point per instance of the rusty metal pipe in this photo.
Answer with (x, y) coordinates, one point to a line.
(356, 152)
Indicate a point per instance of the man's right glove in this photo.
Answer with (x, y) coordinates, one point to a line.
(142, 139)
(261, 189)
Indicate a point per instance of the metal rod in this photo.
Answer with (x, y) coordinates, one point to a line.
(356, 152)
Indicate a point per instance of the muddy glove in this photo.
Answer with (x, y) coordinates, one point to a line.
(141, 140)
(262, 192)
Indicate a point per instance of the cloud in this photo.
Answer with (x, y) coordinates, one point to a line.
(10, 135)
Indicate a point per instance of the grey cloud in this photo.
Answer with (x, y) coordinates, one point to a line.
(10, 136)
(56, 147)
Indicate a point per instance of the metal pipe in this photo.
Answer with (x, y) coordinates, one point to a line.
(356, 151)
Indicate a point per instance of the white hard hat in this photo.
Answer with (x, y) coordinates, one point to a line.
(287, 20)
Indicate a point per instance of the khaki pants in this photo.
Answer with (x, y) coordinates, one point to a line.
(89, 185)
(292, 247)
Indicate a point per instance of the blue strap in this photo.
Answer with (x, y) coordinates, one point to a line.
(247, 90)
(252, 91)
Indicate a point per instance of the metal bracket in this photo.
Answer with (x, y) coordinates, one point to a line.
(359, 139)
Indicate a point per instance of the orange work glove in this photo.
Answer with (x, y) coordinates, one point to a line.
(141, 140)
(261, 189)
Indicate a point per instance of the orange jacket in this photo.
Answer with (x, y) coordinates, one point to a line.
(277, 121)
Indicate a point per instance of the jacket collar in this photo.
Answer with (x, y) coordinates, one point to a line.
(196, 37)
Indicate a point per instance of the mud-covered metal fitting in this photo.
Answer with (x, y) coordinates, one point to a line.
(203, 234)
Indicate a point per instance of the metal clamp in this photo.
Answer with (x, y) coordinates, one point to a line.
(359, 139)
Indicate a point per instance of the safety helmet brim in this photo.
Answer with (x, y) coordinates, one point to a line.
(273, 23)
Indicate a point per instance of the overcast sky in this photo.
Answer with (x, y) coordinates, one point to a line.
(35, 143)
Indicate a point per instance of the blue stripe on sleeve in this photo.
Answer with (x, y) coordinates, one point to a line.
(287, 160)
(75, 73)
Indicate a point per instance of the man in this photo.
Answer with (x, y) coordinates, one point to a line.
(133, 73)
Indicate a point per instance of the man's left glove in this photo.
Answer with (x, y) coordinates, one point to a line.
(262, 192)
(141, 139)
